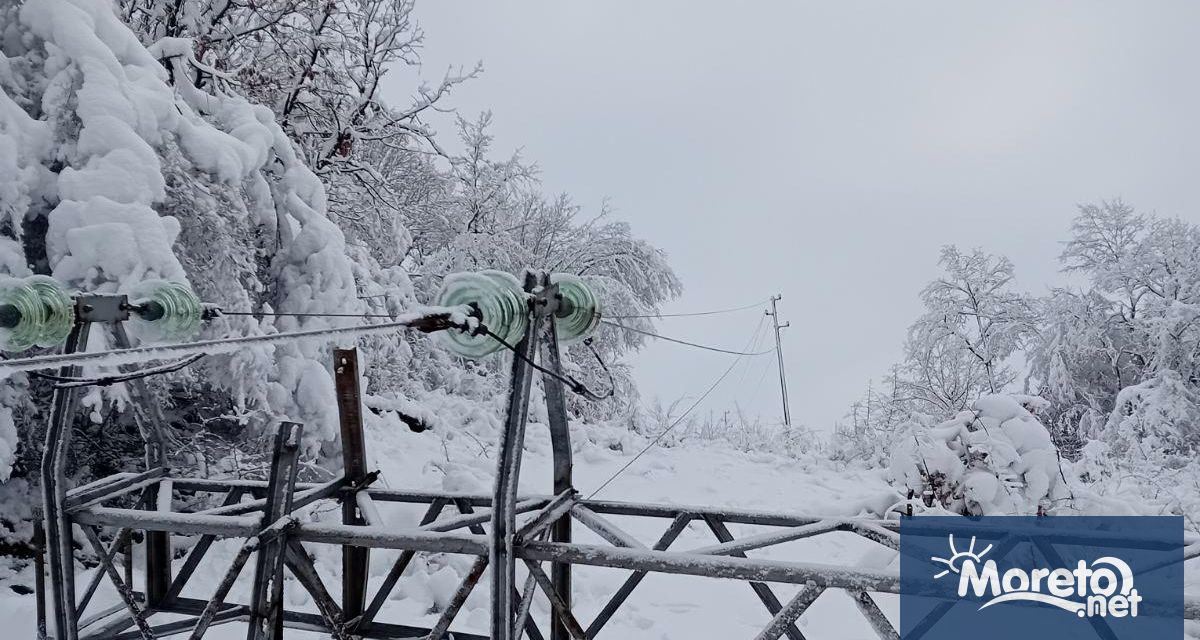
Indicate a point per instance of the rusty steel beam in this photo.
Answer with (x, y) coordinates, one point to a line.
(355, 560)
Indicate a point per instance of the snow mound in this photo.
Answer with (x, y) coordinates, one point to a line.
(995, 459)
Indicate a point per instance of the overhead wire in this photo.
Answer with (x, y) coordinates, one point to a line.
(575, 385)
(602, 315)
(431, 318)
(752, 366)
(688, 315)
(299, 314)
(683, 342)
(673, 424)
(64, 382)
(757, 388)
(133, 355)
(604, 320)
(754, 342)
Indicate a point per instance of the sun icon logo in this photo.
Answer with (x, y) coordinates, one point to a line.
(957, 558)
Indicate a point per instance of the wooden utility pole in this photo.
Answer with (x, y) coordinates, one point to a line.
(774, 313)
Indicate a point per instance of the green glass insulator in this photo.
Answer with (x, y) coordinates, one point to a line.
(59, 310)
(22, 313)
(578, 307)
(165, 309)
(502, 306)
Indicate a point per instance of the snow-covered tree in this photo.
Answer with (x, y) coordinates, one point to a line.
(957, 351)
(975, 310)
(1117, 361)
(959, 348)
(244, 148)
(1079, 362)
(1130, 345)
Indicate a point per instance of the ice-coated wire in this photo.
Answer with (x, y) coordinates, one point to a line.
(685, 342)
(105, 381)
(455, 316)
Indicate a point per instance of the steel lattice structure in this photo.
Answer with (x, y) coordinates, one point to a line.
(499, 531)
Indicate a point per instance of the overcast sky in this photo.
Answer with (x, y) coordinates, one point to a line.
(826, 150)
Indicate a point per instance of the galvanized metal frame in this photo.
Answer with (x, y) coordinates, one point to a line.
(529, 531)
(451, 534)
(109, 311)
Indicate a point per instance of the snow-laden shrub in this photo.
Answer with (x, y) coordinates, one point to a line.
(996, 458)
(870, 444)
(752, 434)
(1156, 420)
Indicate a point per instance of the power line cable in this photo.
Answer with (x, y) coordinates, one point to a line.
(104, 381)
(573, 384)
(688, 315)
(755, 341)
(752, 366)
(670, 427)
(759, 385)
(430, 319)
(290, 314)
(684, 342)
(614, 324)
(295, 314)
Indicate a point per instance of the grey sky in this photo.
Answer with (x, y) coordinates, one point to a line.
(826, 150)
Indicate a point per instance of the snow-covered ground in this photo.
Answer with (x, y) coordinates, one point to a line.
(709, 472)
(701, 473)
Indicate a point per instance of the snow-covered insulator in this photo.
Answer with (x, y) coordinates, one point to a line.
(164, 309)
(34, 311)
(578, 311)
(502, 309)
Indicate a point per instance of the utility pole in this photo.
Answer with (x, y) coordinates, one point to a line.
(774, 313)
